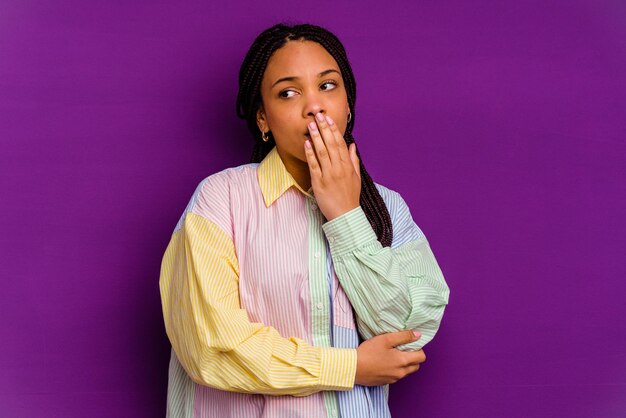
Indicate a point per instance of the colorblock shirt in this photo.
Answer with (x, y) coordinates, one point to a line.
(265, 302)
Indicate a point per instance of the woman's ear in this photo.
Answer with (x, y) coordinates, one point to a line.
(260, 119)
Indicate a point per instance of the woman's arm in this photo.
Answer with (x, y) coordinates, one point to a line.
(390, 289)
(212, 336)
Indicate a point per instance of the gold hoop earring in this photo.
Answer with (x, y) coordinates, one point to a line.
(349, 116)
(264, 136)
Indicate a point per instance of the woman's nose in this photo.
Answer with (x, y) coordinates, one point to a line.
(314, 104)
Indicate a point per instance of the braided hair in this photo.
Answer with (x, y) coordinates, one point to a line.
(249, 100)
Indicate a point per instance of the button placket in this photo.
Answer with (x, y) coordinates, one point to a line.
(319, 291)
(318, 277)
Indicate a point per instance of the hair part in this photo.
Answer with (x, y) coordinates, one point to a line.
(249, 101)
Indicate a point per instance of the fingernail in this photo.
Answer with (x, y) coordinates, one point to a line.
(319, 117)
(417, 334)
(330, 120)
(312, 126)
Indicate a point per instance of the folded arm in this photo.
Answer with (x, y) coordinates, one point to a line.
(213, 338)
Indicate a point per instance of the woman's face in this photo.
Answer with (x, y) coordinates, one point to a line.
(300, 80)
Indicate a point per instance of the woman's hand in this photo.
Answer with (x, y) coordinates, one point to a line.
(335, 169)
(380, 363)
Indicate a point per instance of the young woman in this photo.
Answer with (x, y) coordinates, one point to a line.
(296, 274)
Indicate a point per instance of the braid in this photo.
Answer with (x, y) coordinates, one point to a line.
(373, 204)
(249, 99)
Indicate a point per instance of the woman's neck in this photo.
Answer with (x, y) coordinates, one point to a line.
(299, 170)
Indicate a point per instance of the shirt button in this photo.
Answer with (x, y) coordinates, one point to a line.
(331, 239)
(317, 254)
(319, 306)
(313, 206)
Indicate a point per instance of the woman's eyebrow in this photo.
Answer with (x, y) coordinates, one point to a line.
(322, 74)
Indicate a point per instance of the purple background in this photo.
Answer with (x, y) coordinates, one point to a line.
(503, 124)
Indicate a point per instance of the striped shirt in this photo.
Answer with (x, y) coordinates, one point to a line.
(265, 302)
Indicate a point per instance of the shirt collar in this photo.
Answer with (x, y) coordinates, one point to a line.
(274, 179)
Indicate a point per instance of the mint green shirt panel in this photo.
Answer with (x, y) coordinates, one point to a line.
(318, 285)
(390, 289)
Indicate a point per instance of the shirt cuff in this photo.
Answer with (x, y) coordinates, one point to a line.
(338, 368)
(348, 232)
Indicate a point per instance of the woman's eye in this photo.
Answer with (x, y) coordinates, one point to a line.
(286, 94)
(332, 85)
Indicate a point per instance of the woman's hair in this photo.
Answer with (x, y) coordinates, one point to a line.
(249, 100)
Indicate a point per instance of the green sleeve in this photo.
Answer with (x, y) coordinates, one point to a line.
(390, 289)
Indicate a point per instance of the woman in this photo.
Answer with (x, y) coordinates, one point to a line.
(278, 269)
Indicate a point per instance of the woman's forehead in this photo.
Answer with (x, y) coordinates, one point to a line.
(299, 59)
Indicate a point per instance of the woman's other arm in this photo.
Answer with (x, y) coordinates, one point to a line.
(213, 338)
